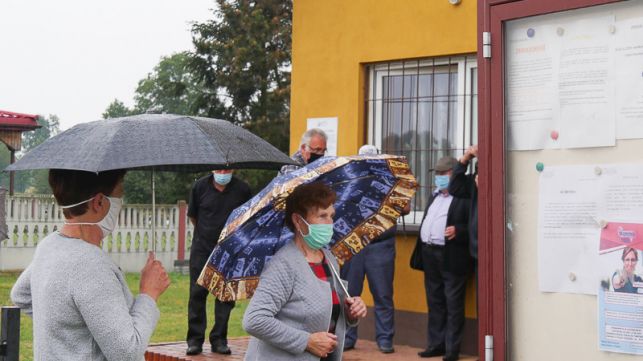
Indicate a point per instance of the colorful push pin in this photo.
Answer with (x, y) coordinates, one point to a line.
(554, 134)
(598, 171)
(572, 276)
(540, 166)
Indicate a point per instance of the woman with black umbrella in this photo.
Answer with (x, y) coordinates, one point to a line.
(81, 306)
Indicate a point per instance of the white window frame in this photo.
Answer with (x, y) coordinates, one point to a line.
(465, 66)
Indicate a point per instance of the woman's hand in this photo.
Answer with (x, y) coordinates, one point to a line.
(618, 281)
(154, 279)
(356, 308)
(321, 343)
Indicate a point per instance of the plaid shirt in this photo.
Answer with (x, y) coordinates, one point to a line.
(297, 157)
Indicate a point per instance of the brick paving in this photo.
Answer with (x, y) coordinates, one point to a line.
(365, 351)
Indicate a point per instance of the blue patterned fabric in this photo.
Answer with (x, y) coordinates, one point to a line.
(371, 193)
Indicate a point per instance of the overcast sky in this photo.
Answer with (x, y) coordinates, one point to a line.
(73, 57)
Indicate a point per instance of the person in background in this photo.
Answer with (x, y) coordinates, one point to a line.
(78, 297)
(625, 280)
(463, 185)
(376, 262)
(311, 148)
(212, 199)
(445, 258)
(299, 311)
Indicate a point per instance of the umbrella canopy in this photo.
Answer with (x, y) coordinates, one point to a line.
(371, 192)
(163, 142)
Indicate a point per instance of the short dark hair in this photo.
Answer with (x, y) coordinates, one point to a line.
(73, 186)
(307, 197)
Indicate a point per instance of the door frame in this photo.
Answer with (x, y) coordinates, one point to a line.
(492, 286)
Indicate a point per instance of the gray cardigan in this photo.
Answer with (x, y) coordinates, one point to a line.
(81, 306)
(289, 304)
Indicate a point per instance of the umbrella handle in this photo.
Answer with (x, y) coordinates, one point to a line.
(339, 280)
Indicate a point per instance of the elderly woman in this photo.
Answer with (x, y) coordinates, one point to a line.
(625, 280)
(299, 310)
(81, 306)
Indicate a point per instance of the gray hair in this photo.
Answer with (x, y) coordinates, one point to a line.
(305, 138)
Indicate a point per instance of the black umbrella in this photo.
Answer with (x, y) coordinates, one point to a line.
(164, 142)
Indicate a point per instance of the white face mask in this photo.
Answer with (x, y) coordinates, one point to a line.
(108, 223)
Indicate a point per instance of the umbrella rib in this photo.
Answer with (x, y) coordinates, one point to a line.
(206, 136)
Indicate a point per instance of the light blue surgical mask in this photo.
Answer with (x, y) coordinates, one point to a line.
(222, 178)
(441, 182)
(319, 235)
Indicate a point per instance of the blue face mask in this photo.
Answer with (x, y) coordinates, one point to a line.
(441, 182)
(222, 178)
(319, 235)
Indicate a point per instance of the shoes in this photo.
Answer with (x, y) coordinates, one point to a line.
(221, 348)
(194, 350)
(432, 352)
(348, 347)
(385, 348)
(450, 357)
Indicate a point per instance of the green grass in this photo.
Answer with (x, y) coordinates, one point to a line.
(173, 305)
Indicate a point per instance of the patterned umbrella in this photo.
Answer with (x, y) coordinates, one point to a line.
(371, 192)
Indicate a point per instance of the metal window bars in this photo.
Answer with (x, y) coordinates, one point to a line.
(423, 109)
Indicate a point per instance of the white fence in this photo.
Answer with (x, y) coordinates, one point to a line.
(31, 218)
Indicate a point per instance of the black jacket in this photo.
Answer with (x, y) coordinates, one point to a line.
(456, 251)
(464, 186)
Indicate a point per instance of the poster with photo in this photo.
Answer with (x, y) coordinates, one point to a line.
(620, 294)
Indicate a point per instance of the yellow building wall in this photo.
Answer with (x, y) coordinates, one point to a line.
(332, 42)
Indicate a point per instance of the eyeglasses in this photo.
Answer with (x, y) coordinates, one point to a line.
(631, 260)
(317, 150)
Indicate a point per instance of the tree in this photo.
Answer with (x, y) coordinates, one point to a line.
(117, 109)
(242, 59)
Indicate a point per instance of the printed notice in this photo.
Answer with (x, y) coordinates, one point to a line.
(628, 52)
(585, 211)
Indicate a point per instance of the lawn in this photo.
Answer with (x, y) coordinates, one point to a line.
(173, 305)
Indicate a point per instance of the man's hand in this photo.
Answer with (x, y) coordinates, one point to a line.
(154, 279)
(321, 344)
(449, 232)
(356, 308)
(469, 154)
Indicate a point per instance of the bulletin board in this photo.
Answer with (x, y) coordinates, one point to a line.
(574, 183)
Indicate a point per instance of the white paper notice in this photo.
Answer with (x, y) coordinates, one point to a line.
(531, 89)
(328, 125)
(568, 233)
(559, 82)
(585, 89)
(575, 202)
(628, 53)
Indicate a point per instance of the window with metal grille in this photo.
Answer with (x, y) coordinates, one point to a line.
(423, 109)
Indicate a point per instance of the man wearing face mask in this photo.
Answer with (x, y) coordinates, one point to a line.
(311, 148)
(212, 199)
(445, 259)
(81, 305)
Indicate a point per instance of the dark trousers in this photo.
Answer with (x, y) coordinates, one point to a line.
(445, 293)
(197, 317)
(377, 263)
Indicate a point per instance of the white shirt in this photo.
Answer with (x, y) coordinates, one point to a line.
(433, 226)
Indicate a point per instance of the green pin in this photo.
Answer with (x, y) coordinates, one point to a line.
(540, 166)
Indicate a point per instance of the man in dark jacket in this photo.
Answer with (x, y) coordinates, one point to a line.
(465, 185)
(445, 258)
(212, 200)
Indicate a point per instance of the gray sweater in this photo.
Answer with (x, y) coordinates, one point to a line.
(81, 306)
(289, 304)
